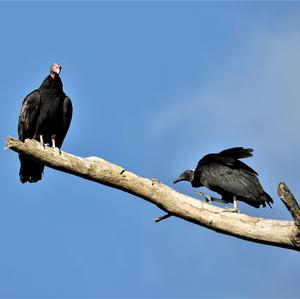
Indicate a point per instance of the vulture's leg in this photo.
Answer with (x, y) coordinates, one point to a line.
(235, 207)
(42, 141)
(53, 144)
(210, 198)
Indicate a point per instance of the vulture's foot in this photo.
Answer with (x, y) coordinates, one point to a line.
(210, 198)
(57, 149)
(42, 142)
(232, 210)
(205, 196)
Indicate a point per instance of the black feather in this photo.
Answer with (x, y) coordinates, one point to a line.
(46, 111)
(237, 152)
(225, 174)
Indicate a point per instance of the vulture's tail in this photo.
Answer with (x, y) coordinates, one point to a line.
(268, 199)
(30, 171)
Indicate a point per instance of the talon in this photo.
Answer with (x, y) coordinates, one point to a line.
(205, 196)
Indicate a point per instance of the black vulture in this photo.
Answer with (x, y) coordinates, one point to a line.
(45, 116)
(225, 174)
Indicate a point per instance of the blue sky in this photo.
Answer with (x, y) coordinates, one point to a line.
(154, 86)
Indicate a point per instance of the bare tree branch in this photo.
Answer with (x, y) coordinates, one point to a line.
(260, 230)
(290, 202)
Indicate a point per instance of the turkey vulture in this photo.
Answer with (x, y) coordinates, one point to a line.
(45, 116)
(225, 174)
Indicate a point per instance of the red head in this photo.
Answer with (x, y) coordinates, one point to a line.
(55, 69)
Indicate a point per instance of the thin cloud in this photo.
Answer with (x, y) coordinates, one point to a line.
(256, 92)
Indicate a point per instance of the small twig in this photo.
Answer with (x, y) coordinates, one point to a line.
(290, 202)
(162, 217)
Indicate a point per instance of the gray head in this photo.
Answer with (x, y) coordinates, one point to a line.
(187, 175)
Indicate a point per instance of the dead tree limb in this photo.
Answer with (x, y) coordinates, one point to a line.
(273, 232)
(290, 202)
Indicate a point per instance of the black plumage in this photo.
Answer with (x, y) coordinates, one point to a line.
(45, 116)
(225, 174)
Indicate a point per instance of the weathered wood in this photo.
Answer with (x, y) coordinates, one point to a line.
(260, 230)
(290, 202)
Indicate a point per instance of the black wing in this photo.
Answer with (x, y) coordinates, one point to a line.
(28, 115)
(237, 152)
(224, 179)
(66, 121)
(230, 158)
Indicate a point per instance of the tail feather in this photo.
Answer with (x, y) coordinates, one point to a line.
(262, 200)
(30, 171)
(255, 204)
(268, 199)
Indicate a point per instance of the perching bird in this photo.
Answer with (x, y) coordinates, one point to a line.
(45, 116)
(225, 174)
